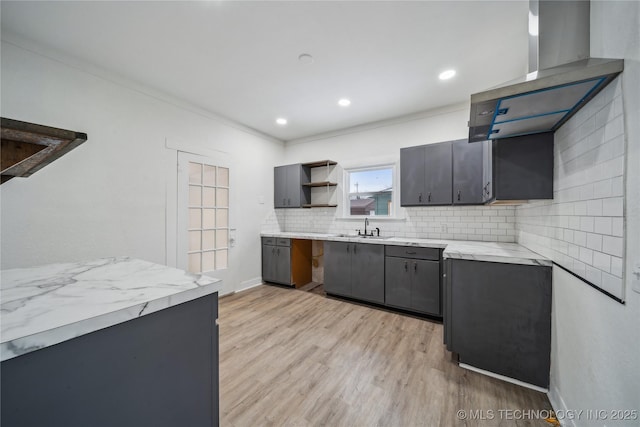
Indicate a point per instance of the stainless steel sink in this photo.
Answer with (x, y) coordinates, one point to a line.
(363, 237)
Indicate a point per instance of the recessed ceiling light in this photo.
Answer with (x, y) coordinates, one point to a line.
(344, 102)
(446, 75)
(305, 58)
(281, 121)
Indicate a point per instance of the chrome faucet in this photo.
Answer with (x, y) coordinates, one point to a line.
(366, 222)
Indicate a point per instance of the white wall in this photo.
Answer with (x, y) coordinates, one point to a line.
(595, 356)
(116, 194)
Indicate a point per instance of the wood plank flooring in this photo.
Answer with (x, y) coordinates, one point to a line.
(294, 358)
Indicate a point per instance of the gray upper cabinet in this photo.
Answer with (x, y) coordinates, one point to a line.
(468, 172)
(289, 191)
(523, 167)
(425, 175)
(487, 172)
(354, 270)
(438, 169)
(460, 173)
(412, 177)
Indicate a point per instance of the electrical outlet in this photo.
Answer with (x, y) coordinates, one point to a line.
(443, 228)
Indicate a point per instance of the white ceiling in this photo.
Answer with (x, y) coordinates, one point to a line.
(240, 59)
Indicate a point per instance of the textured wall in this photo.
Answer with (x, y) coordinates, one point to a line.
(582, 229)
(483, 223)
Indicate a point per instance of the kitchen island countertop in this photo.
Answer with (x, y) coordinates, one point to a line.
(46, 305)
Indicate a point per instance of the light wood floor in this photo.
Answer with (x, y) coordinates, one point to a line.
(295, 358)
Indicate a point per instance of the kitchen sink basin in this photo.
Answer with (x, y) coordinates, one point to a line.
(363, 237)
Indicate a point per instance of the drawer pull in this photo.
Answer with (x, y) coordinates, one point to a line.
(410, 253)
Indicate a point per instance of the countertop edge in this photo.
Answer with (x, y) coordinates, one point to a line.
(537, 260)
(27, 344)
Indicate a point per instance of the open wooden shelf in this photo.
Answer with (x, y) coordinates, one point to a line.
(320, 163)
(320, 184)
(28, 147)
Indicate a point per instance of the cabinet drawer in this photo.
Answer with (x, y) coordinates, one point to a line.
(283, 242)
(268, 240)
(413, 252)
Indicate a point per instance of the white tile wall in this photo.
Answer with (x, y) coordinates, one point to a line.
(582, 228)
(483, 223)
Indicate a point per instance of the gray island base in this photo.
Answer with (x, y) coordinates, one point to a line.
(158, 369)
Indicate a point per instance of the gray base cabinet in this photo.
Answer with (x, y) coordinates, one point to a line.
(156, 370)
(354, 270)
(497, 317)
(276, 260)
(412, 279)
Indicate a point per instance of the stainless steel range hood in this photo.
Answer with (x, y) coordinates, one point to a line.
(544, 99)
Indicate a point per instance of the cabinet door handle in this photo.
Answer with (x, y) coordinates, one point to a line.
(429, 198)
(278, 251)
(458, 195)
(415, 266)
(289, 202)
(410, 252)
(347, 248)
(406, 266)
(420, 198)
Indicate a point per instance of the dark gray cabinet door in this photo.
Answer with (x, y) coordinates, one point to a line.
(499, 318)
(293, 186)
(487, 171)
(367, 272)
(280, 187)
(425, 286)
(269, 261)
(283, 265)
(397, 282)
(337, 268)
(523, 167)
(438, 173)
(412, 176)
(467, 172)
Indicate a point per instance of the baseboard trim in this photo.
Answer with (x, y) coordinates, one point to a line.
(251, 283)
(503, 378)
(557, 403)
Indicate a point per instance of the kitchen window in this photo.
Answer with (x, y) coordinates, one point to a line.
(370, 191)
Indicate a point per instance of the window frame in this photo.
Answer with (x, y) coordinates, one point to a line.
(395, 213)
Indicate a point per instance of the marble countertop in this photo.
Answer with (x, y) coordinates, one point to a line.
(43, 306)
(508, 253)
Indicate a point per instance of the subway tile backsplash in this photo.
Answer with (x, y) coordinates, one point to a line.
(582, 227)
(483, 223)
